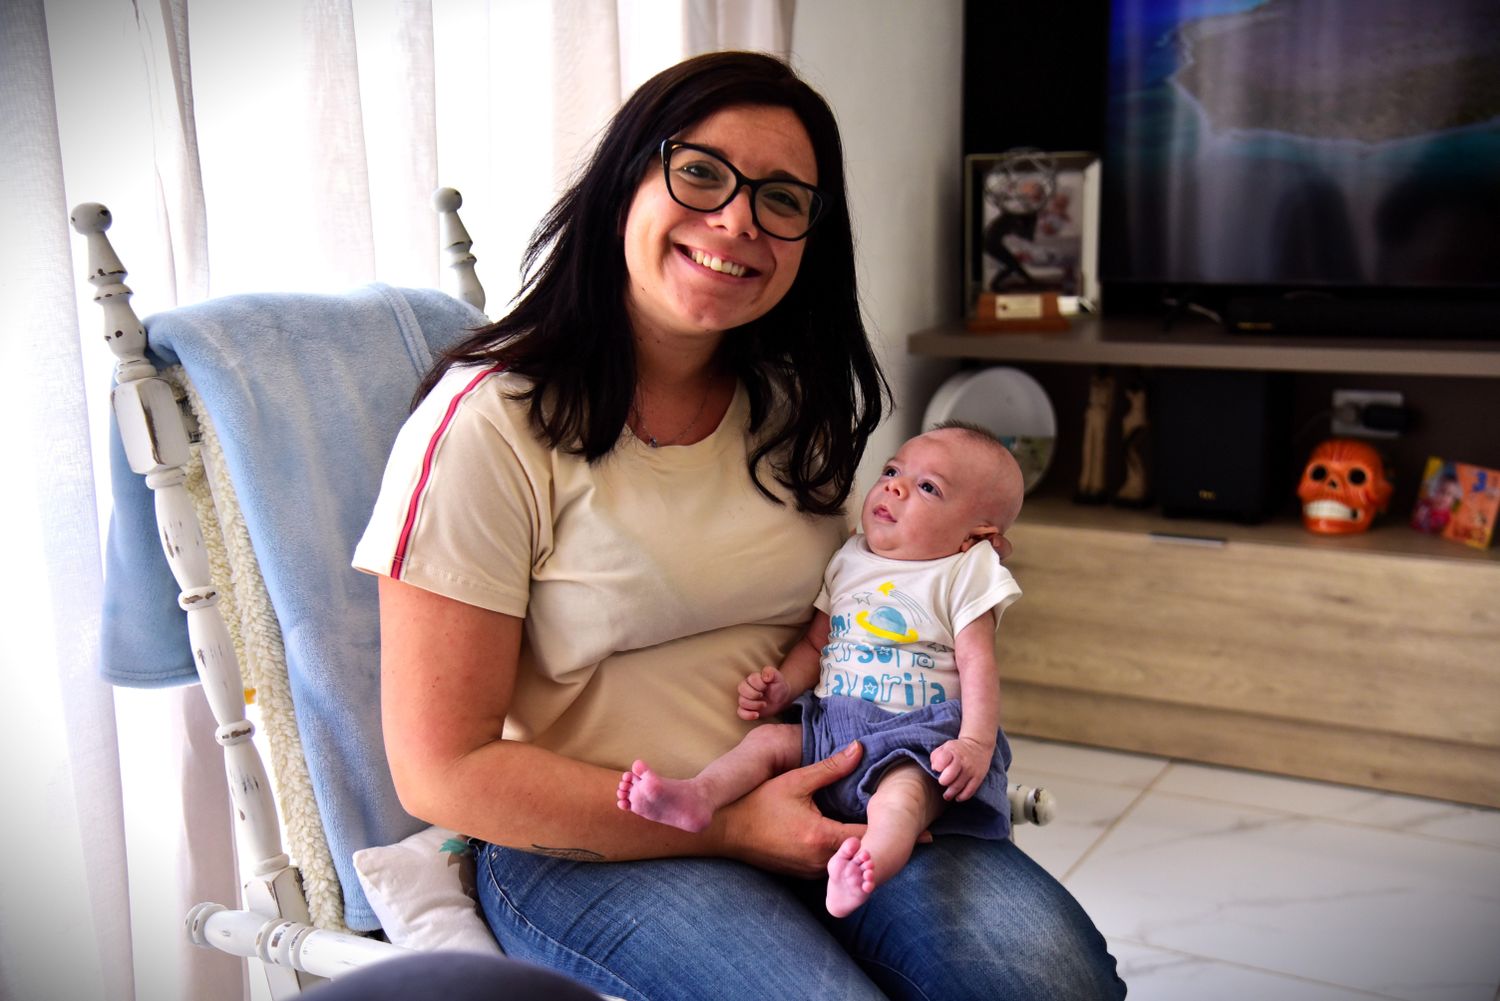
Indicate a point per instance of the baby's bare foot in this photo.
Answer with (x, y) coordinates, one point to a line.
(851, 878)
(676, 802)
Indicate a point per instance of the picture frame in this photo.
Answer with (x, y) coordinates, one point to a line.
(1031, 225)
(1458, 501)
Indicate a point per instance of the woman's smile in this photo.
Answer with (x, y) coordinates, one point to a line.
(717, 264)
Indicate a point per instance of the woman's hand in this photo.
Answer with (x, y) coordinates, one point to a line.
(1002, 546)
(764, 693)
(997, 542)
(778, 827)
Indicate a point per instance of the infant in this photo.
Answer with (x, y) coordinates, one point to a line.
(900, 655)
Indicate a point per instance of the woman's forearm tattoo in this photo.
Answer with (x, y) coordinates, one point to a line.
(571, 854)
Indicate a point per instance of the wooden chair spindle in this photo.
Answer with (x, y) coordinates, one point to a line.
(456, 244)
(155, 440)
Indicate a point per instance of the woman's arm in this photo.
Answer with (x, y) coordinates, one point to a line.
(448, 673)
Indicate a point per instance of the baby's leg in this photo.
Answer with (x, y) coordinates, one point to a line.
(904, 805)
(690, 803)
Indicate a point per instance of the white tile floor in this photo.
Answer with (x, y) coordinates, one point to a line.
(1213, 884)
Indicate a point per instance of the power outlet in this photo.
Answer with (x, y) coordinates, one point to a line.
(1347, 407)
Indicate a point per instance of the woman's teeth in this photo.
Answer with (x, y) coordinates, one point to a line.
(709, 261)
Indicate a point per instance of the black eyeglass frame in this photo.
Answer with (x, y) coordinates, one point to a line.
(815, 207)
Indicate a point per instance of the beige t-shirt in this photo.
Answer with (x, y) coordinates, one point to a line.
(650, 582)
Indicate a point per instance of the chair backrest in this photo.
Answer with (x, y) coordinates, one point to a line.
(303, 395)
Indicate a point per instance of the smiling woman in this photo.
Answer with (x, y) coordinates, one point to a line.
(611, 506)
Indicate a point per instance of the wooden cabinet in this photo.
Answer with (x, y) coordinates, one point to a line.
(1372, 660)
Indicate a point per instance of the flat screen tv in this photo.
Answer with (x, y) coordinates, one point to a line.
(1272, 154)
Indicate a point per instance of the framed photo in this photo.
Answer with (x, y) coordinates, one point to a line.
(1031, 224)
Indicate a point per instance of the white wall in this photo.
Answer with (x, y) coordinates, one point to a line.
(892, 70)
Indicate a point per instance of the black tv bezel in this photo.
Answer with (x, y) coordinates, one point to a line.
(1377, 309)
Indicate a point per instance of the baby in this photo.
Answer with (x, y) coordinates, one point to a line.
(901, 651)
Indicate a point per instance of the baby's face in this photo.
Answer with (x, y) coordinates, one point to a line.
(928, 500)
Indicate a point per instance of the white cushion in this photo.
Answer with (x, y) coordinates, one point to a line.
(423, 895)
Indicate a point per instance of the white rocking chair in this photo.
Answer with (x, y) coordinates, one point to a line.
(295, 945)
(273, 924)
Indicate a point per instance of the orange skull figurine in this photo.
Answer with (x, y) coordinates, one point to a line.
(1343, 487)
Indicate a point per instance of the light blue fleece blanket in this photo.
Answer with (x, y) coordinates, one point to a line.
(303, 390)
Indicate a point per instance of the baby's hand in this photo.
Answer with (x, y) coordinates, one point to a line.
(961, 765)
(764, 693)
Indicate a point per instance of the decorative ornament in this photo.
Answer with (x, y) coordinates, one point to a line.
(1135, 434)
(642, 434)
(1096, 416)
(1343, 487)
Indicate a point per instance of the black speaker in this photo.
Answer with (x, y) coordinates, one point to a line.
(1220, 440)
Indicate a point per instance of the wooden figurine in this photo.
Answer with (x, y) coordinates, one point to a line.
(1135, 434)
(1101, 405)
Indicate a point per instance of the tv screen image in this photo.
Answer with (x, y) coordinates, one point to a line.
(1315, 144)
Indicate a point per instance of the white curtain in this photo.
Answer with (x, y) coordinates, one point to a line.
(62, 829)
(281, 144)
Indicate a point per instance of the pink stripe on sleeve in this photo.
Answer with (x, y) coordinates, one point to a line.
(432, 443)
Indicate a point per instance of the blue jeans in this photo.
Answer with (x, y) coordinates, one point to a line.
(965, 919)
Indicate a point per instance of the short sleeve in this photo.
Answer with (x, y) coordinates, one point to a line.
(460, 510)
(980, 584)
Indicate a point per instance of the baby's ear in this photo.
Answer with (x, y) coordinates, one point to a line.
(981, 533)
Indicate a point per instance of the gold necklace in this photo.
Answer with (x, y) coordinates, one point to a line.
(651, 439)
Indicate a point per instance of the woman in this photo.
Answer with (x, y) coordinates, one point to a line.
(611, 506)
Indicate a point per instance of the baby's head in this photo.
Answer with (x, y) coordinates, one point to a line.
(942, 492)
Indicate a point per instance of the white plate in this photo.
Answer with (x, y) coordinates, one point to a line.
(1008, 402)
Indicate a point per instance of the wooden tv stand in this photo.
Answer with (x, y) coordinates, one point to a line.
(1372, 660)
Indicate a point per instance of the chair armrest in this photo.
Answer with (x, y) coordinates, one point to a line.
(284, 943)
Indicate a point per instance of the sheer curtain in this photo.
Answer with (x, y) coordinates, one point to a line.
(285, 144)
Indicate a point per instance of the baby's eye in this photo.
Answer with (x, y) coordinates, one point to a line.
(888, 471)
(929, 487)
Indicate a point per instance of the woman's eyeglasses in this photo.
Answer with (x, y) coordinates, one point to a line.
(702, 180)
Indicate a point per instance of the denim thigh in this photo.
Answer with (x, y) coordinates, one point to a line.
(671, 928)
(972, 918)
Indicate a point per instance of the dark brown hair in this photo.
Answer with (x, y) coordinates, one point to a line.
(816, 391)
